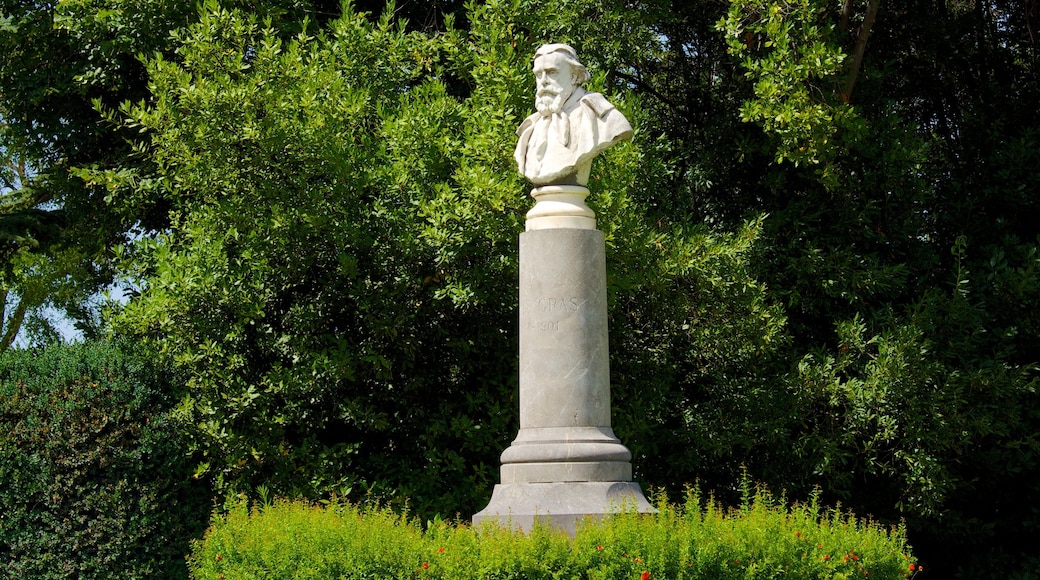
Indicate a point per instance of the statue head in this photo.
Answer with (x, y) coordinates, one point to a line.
(557, 73)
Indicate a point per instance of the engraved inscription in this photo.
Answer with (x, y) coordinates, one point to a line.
(558, 304)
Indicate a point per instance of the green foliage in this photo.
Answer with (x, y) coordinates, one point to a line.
(833, 287)
(336, 279)
(788, 51)
(894, 258)
(52, 72)
(38, 267)
(94, 480)
(761, 539)
(306, 352)
(62, 66)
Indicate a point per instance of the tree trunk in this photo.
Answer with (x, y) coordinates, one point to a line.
(861, 46)
(14, 325)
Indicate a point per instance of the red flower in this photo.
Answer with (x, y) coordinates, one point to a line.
(440, 550)
(425, 565)
(600, 548)
(644, 576)
(826, 557)
(912, 567)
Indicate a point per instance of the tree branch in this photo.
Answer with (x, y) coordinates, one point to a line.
(846, 13)
(1032, 15)
(642, 85)
(14, 325)
(861, 47)
(3, 305)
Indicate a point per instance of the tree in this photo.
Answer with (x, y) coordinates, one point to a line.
(336, 280)
(63, 64)
(39, 271)
(822, 241)
(51, 76)
(908, 281)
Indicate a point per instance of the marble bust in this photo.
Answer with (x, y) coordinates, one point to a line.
(571, 126)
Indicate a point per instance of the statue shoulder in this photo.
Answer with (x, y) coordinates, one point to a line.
(527, 123)
(598, 103)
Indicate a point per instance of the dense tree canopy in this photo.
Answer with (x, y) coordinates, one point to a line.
(822, 241)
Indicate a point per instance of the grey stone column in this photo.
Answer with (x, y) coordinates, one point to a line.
(565, 463)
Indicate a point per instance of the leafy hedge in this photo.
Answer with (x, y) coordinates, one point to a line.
(94, 480)
(761, 539)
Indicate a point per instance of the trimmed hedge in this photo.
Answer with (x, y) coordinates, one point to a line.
(94, 479)
(762, 539)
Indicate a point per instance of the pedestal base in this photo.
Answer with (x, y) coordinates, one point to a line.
(566, 454)
(561, 505)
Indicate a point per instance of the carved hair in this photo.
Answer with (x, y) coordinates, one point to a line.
(578, 70)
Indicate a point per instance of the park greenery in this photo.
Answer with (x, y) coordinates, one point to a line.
(823, 248)
(694, 540)
(96, 476)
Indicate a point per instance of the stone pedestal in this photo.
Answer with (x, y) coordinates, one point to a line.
(565, 463)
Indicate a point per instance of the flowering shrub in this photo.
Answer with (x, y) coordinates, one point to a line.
(699, 539)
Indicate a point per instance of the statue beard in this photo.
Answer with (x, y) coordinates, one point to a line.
(550, 100)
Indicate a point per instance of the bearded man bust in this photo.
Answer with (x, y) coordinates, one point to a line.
(572, 126)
